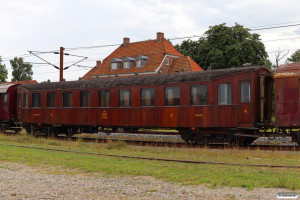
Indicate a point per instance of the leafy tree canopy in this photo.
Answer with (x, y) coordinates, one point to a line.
(295, 57)
(226, 47)
(21, 71)
(3, 72)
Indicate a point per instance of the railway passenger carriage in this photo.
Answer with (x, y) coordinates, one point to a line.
(8, 99)
(203, 106)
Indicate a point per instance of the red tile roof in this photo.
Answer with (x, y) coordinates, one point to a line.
(155, 50)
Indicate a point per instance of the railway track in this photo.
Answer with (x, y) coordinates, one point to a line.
(154, 159)
(181, 144)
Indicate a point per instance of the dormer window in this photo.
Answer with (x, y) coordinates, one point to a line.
(114, 66)
(167, 61)
(115, 63)
(127, 62)
(141, 61)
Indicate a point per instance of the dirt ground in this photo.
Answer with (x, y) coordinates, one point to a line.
(22, 182)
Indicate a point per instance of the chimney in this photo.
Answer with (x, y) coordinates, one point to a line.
(126, 41)
(159, 36)
(98, 63)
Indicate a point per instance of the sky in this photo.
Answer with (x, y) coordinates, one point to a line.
(45, 26)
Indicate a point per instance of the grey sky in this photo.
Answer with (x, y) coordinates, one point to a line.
(46, 25)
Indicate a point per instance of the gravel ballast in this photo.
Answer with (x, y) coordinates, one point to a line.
(22, 182)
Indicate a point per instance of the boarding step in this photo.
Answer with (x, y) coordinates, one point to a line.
(10, 131)
(16, 127)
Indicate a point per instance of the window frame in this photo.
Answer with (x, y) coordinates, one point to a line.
(63, 99)
(114, 66)
(84, 99)
(227, 101)
(152, 97)
(175, 99)
(34, 96)
(167, 61)
(122, 101)
(105, 102)
(48, 95)
(25, 100)
(5, 99)
(192, 99)
(249, 92)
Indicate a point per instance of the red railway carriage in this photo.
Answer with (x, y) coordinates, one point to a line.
(287, 98)
(8, 104)
(8, 99)
(195, 103)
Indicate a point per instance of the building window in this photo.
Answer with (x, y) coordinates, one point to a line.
(127, 62)
(19, 100)
(245, 92)
(51, 99)
(85, 99)
(224, 93)
(36, 100)
(127, 65)
(25, 100)
(125, 98)
(67, 99)
(147, 95)
(172, 96)
(167, 61)
(115, 63)
(104, 98)
(114, 66)
(199, 95)
(141, 61)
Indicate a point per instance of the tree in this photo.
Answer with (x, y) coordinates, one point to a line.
(3, 72)
(295, 57)
(225, 47)
(279, 56)
(21, 71)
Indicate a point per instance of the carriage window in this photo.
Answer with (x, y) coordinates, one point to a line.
(19, 100)
(147, 96)
(36, 100)
(104, 98)
(245, 92)
(172, 96)
(85, 99)
(124, 98)
(51, 99)
(199, 95)
(67, 99)
(224, 93)
(25, 100)
(5, 99)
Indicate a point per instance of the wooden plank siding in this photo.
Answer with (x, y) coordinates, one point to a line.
(184, 115)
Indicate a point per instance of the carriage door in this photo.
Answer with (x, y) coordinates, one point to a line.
(265, 98)
(245, 116)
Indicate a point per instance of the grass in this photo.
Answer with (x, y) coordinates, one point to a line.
(194, 174)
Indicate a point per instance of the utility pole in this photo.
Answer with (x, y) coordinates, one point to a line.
(61, 65)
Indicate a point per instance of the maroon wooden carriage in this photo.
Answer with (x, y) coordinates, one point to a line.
(200, 105)
(8, 102)
(287, 99)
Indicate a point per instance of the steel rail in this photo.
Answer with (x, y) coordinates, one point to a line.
(154, 159)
